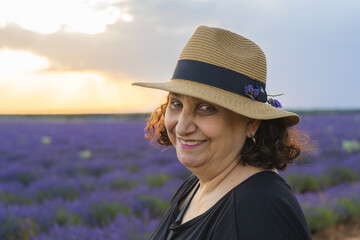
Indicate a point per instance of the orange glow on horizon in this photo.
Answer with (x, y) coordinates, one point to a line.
(79, 97)
(28, 87)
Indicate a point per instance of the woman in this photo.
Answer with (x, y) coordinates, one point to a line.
(233, 139)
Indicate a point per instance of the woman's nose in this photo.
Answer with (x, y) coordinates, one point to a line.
(185, 124)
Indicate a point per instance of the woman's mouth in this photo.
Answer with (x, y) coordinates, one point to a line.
(190, 143)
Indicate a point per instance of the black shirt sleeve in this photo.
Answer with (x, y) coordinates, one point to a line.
(269, 211)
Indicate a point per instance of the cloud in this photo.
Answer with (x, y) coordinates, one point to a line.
(20, 62)
(50, 16)
(309, 44)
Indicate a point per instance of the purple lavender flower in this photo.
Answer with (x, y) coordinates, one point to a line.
(274, 103)
(251, 92)
(48, 192)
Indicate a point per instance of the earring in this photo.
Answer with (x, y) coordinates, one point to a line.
(253, 139)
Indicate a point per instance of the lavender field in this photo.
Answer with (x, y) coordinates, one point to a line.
(93, 178)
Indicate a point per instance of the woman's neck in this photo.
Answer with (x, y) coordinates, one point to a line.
(228, 178)
(212, 189)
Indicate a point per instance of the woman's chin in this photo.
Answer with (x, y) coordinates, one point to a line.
(190, 162)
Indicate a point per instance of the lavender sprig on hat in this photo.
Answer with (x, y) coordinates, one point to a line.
(251, 92)
(274, 103)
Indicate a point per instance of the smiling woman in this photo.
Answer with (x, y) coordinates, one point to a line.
(217, 119)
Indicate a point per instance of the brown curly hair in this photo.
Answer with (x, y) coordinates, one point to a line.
(276, 145)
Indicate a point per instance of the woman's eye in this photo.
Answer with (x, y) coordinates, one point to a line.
(207, 109)
(175, 105)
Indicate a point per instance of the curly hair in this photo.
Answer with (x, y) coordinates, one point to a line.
(276, 145)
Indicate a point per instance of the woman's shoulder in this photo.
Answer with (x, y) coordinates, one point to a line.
(267, 204)
(263, 184)
(265, 194)
(266, 191)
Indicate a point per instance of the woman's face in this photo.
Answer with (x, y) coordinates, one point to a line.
(205, 135)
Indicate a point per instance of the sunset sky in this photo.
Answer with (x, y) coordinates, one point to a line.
(81, 56)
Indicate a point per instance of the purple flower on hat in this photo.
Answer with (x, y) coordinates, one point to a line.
(251, 92)
(274, 103)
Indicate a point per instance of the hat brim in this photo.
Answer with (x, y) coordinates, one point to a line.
(232, 101)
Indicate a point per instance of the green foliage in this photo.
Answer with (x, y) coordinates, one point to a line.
(46, 140)
(9, 198)
(319, 218)
(301, 182)
(18, 229)
(64, 192)
(123, 184)
(342, 174)
(157, 206)
(87, 187)
(336, 211)
(64, 217)
(85, 154)
(346, 209)
(133, 168)
(350, 146)
(104, 213)
(157, 180)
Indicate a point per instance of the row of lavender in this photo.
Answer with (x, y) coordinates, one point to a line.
(327, 183)
(100, 179)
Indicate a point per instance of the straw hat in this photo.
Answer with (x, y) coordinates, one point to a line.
(224, 68)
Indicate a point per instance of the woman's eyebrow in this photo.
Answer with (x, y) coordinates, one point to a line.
(176, 95)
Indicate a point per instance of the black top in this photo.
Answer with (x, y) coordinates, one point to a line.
(260, 208)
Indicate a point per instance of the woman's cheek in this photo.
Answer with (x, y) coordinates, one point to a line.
(170, 124)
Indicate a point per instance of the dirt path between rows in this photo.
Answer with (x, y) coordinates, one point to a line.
(344, 231)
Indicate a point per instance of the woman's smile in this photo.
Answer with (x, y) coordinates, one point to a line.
(190, 144)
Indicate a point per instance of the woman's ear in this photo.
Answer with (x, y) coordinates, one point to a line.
(252, 127)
